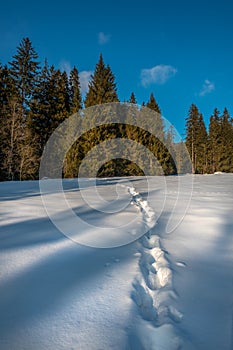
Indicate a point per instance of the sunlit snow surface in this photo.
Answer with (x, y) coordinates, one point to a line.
(165, 291)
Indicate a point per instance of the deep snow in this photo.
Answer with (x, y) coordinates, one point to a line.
(170, 289)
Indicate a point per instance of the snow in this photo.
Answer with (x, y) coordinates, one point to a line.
(148, 266)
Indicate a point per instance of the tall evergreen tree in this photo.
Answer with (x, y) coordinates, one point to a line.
(192, 135)
(61, 97)
(12, 126)
(41, 109)
(75, 92)
(152, 104)
(13, 132)
(102, 87)
(132, 98)
(25, 70)
(197, 140)
(158, 124)
(202, 147)
(51, 104)
(226, 145)
(214, 141)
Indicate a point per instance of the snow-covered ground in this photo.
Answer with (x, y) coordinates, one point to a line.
(170, 287)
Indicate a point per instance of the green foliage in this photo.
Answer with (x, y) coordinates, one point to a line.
(35, 101)
(152, 104)
(120, 167)
(226, 143)
(197, 140)
(132, 98)
(214, 141)
(25, 70)
(102, 87)
(74, 90)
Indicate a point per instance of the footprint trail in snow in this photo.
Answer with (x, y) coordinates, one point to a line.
(153, 290)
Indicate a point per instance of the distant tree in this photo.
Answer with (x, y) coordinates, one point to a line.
(214, 141)
(41, 109)
(152, 104)
(12, 126)
(132, 98)
(226, 145)
(102, 89)
(158, 121)
(192, 135)
(60, 98)
(12, 135)
(50, 106)
(102, 86)
(202, 147)
(4, 92)
(75, 93)
(24, 70)
(155, 141)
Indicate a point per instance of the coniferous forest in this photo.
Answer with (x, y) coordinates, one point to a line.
(35, 98)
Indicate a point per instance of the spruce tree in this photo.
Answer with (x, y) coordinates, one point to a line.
(12, 126)
(202, 147)
(197, 140)
(61, 97)
(41, 109)
(152, 104)
(226, 145)
(214, 141)
(102, 87)
(158, 125)
(156, 140)
(74, 90)
(132, 98)
(25, 70)
(51, 104)
(192, 135)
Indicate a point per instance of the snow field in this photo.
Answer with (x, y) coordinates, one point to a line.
(168, 290)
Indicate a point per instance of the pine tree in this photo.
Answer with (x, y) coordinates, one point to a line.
(158, 125)
(197, 140)
(202, 147)
(75, 93)
(226, 145)
(12, 132)
(192, 129)
(25, 70)
(12, 125)
(40, 108)
(152, 104)
(132, 98)
(155, 141)
(61, 104)
(102, 87)
(182, 158)
(51, 104)
(214, 141)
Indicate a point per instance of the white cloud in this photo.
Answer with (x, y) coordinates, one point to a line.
(207, 87)
(157, 75)
(103, 38)
(65, 66)
(84, 78)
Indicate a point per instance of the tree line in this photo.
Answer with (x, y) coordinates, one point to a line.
(36, 98)
(210, 150)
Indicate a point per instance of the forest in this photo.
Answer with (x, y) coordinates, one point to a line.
(35, 98)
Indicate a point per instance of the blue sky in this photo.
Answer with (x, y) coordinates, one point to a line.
(182, 51)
